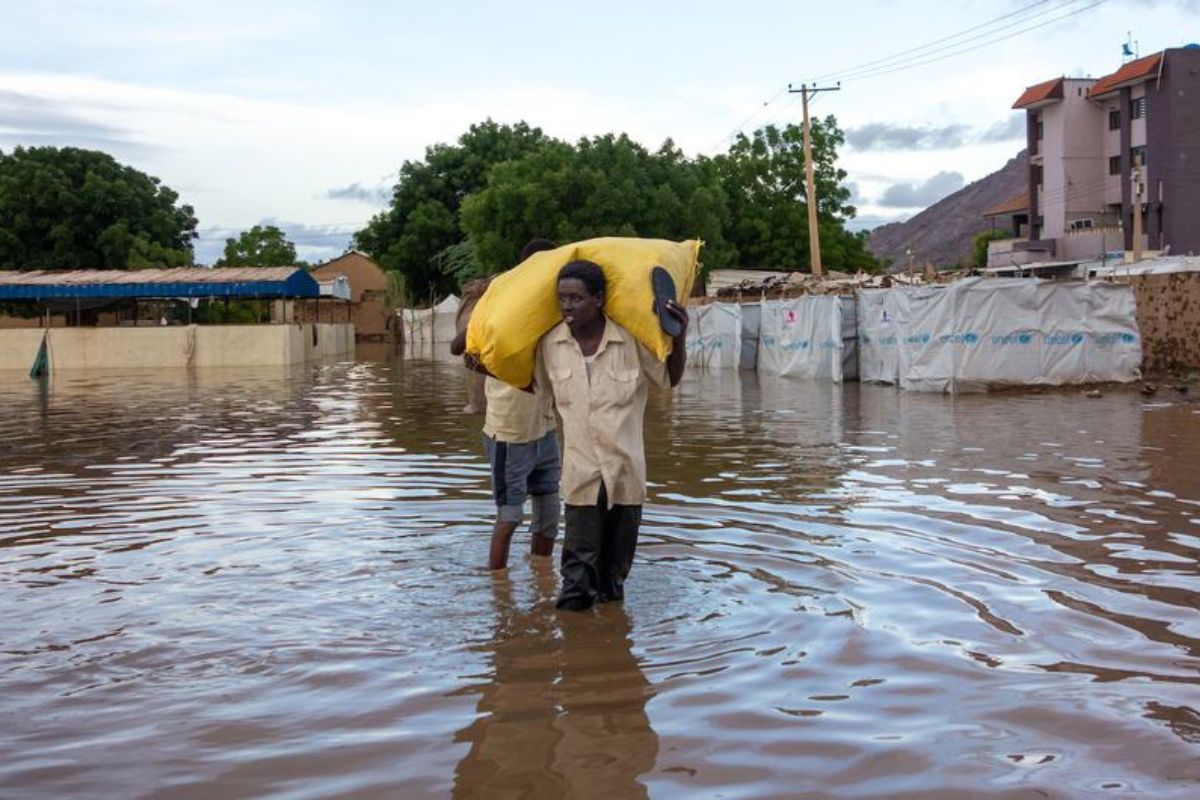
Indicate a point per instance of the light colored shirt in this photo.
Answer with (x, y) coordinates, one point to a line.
(515, 416)
(602, 418)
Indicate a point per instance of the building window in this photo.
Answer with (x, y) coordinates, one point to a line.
(1114, 165)
(1037, 174)
(1137, 108)
(1037, 131)
(1137, 155)
(1114, 120)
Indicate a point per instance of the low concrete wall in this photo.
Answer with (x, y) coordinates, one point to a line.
(1168, 315)
(177, 346)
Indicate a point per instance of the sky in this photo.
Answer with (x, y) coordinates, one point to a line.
(299, 114)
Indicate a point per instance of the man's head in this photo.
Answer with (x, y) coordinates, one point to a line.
(581, 287)
(535, 246)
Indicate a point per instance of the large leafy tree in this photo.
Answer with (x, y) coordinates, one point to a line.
(605, 186)
(261, 246)
(764, 179)
(422, 221)
(67, 208)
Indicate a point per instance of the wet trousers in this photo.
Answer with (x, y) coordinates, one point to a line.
(597, 554)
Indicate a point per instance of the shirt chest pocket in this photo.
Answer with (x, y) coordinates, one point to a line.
(560, 380)
(616, 387)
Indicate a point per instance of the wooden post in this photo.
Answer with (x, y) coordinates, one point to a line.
(814, 235)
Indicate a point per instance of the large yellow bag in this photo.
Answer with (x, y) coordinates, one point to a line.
(521, 305)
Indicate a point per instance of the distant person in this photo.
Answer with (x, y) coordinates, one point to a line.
(599, 374)
(522, 449)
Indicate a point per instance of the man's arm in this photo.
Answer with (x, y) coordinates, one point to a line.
(458, 345)
(678, 358)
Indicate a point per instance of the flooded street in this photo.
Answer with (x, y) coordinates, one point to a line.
(270, 583)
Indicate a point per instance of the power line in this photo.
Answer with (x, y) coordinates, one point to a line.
(923, 50)
(902, 66)
(955, 43)
(738, 128)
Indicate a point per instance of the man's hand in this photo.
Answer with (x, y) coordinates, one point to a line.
(680, 313)
(678, 358)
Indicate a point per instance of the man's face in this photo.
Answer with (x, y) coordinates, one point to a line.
(579, 307)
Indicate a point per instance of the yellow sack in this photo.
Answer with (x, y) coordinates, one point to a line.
(521, 305)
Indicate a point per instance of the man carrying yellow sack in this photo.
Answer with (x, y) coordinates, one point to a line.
(598, 375)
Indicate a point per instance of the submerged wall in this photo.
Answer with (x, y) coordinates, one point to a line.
(176, 346)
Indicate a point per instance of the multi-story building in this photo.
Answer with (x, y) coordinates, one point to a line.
(1097, 145)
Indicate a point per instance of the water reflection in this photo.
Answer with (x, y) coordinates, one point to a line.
(563, 712)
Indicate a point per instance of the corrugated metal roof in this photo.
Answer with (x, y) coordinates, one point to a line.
(179, 282)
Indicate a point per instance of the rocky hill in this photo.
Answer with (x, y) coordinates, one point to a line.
(942, 233)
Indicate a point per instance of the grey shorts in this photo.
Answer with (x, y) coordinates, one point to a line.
(524, 470)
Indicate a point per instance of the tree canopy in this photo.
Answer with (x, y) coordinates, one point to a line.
(605, 186)
(261, 246)
(68, 208)
(467, 208)
(422, 220)
(764, 179)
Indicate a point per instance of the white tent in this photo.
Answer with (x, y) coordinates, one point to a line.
(985, 332)
(430, 325)
(802, 338)
(714, 336)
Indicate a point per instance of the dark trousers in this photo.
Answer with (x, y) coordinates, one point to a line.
(597, 553)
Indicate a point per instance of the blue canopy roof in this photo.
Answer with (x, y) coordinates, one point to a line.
(245, 282)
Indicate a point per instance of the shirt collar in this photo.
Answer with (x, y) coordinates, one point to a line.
(611, 334)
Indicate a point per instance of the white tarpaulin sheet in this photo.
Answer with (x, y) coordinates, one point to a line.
(882, 321)
(802, 338)
(985, 332)
(429, 325)
(714, 336)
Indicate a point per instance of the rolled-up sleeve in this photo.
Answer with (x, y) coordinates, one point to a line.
(654, 370)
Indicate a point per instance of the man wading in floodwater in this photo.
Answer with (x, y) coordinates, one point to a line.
(598, 374)
(519, 439)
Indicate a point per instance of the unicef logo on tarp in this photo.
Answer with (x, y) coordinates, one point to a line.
(1057, 339)
(968, 338)
(1012, 339)
(1107, 340)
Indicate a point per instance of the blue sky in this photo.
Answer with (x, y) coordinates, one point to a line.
(300, 113)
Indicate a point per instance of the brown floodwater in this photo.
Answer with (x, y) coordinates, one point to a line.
(270, 584)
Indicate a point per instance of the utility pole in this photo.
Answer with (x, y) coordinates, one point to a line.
(814, 239)
(1137, 210)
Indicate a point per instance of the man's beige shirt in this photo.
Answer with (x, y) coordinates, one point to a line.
(602, 419)
(515, 416)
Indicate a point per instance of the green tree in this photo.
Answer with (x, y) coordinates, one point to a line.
(67, 208)
(764, 180)
(422, 220)
(261, 246)
(979, 245)
(605, 186)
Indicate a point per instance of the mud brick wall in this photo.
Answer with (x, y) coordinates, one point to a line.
(1168, 315)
